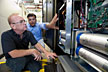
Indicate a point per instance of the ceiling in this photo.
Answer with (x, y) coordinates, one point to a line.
(32, 5)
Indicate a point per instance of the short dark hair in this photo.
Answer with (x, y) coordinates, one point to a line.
(30, 15)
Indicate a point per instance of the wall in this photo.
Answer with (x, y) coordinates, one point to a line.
(7, 7)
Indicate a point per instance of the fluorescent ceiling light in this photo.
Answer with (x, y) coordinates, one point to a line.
(30, 6)
(36, 1)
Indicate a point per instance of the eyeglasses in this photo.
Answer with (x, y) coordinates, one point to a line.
(21, 21)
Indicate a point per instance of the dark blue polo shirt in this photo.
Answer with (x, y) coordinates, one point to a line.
(10, 41)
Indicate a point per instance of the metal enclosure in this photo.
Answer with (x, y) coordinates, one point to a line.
(48, 13)
(85, 23)
(47, 10)
(68, 26)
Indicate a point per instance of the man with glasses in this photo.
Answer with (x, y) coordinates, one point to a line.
(36, 27)
(15, 46)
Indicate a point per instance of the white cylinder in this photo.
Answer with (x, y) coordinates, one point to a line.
(97, 42)
(63, 41)
(63, 33)
(101, 62)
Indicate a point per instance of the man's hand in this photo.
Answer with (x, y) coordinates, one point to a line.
(51, 25)
(47, 54)
(36, 54)
(50, 55)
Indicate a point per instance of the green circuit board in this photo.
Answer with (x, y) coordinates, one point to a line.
(97, 14)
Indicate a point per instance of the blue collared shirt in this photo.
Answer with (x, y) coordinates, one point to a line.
(36, 30)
